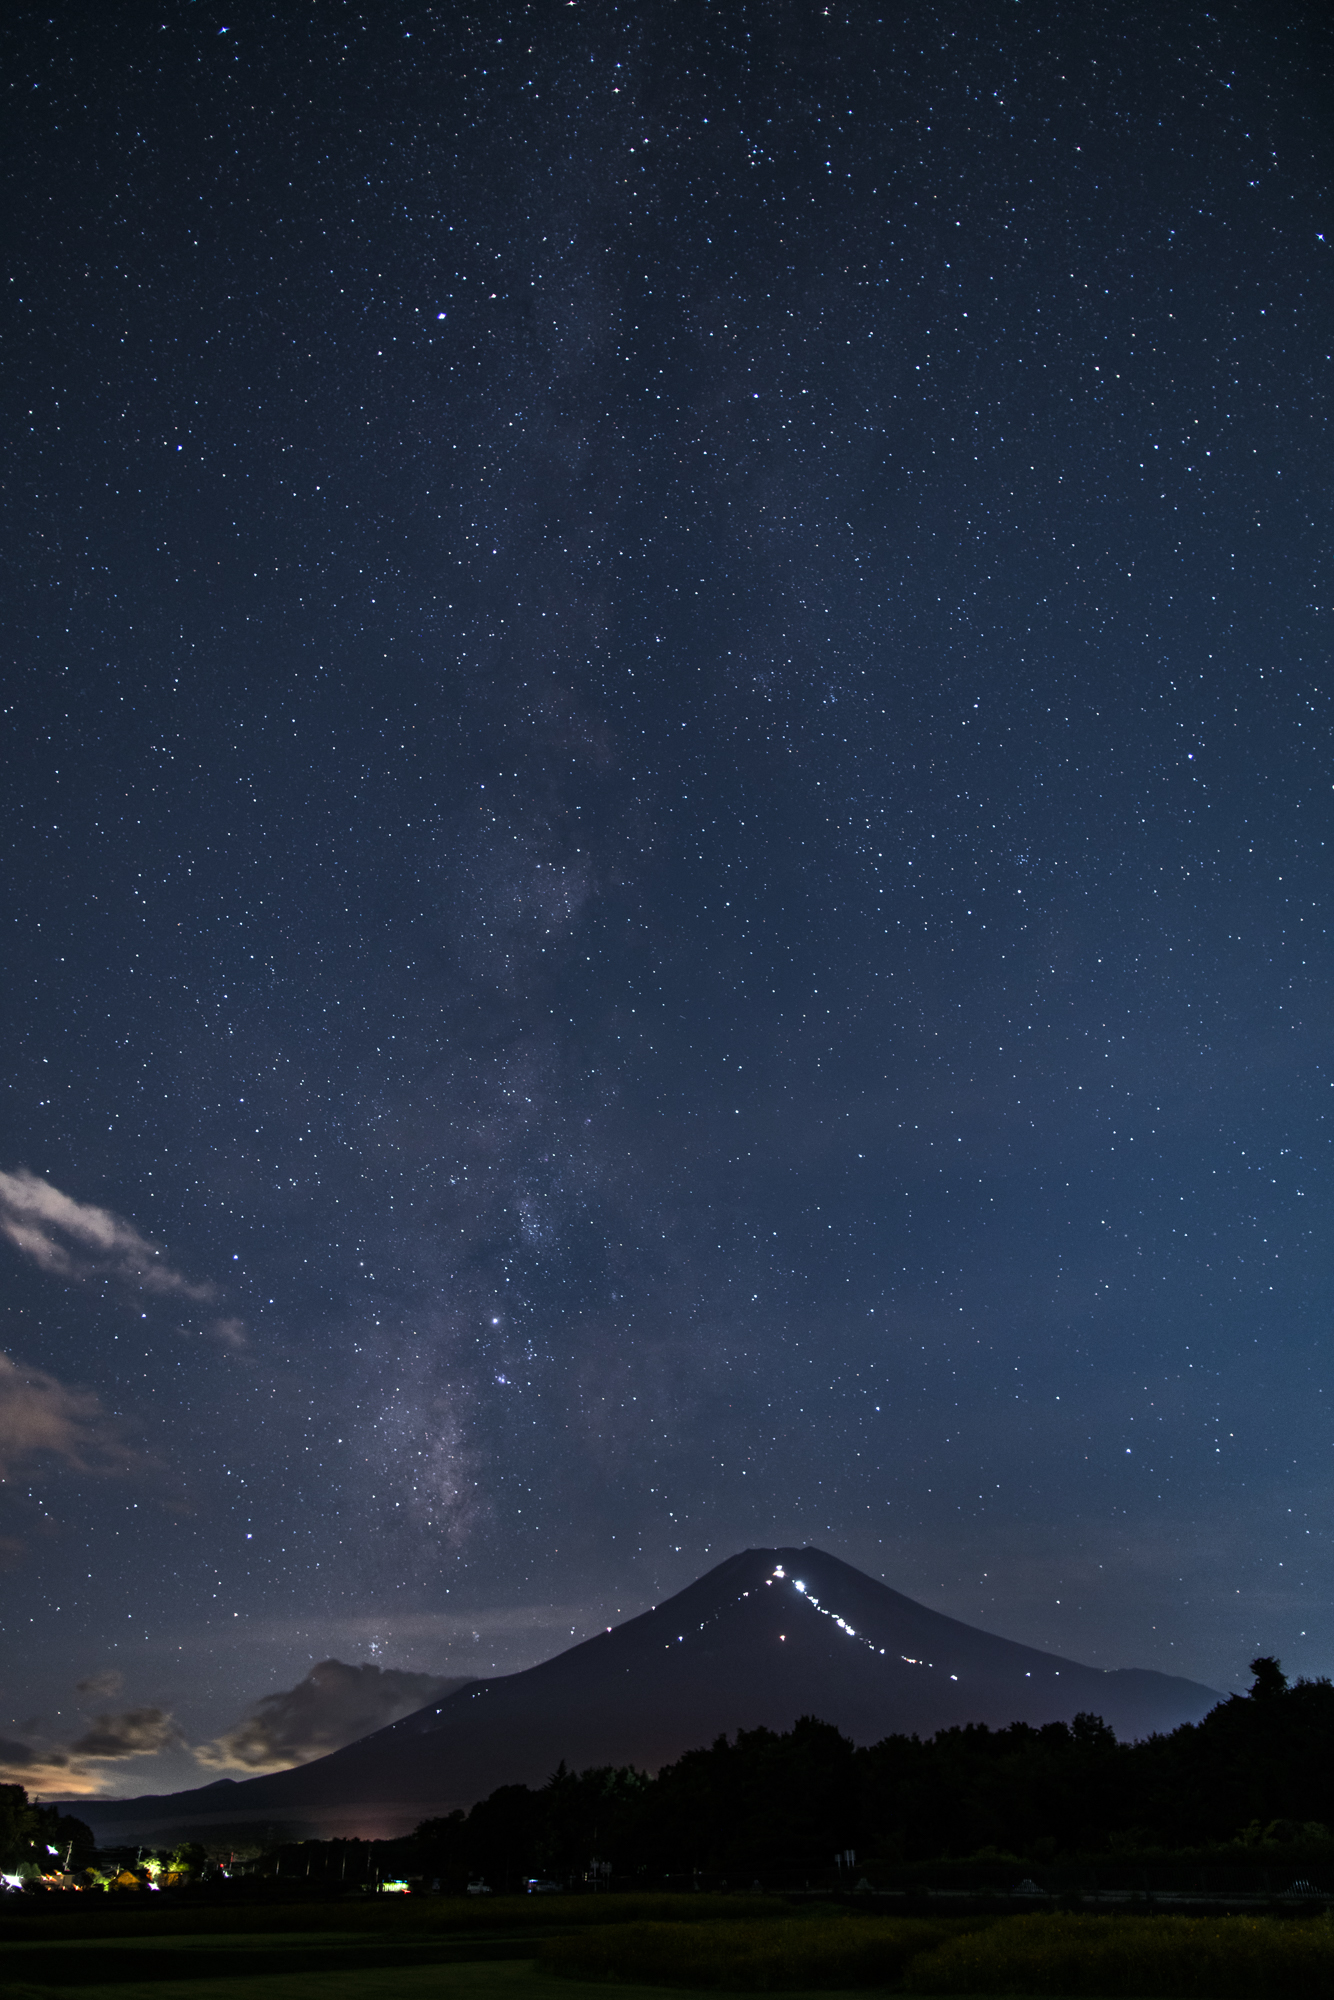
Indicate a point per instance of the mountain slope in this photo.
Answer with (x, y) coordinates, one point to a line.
(767, 1636)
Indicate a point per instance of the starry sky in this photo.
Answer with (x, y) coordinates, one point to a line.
(668, 772)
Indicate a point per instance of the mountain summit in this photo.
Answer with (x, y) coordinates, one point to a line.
(767, 1636)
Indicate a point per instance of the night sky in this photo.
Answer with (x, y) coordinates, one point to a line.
(667, 782)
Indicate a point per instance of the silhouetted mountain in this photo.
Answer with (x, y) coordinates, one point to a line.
(765, 1637)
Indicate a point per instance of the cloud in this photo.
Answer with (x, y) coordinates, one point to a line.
(39, 1415)
(39, 1770)
(73, 1239)
(231, 1332)
(137, 1732)
(102, 1685)
(333, 1705)
(64, 1767)
(44, 1770)
(22, 1757)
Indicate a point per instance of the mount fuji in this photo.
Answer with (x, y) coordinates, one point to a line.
(767, 1636)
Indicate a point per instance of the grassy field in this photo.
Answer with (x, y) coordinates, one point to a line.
(554, 1949)
(515, 1980)
(1129, 1958)
(452, 1916)
(1113, 1958)
(836, 1952)
(401, 1944)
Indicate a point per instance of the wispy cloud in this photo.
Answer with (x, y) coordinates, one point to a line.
(75, 1239)
(79, 1768)
(39, 1769)
(138, 1732)
(43, 1418)
(231, 1332)
(333, 1705)
(102, 1685)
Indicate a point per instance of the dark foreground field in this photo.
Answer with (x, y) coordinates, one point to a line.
(518, 1949)
(516, 1979)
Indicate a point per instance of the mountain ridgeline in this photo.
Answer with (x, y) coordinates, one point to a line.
(769, 1636)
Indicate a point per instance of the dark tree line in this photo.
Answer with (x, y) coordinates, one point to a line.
(1258, 1764)
(1257, 1772)
(39, 1836)
(1255, 1777)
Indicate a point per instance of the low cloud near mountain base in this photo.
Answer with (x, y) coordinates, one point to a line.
(333, 1705)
